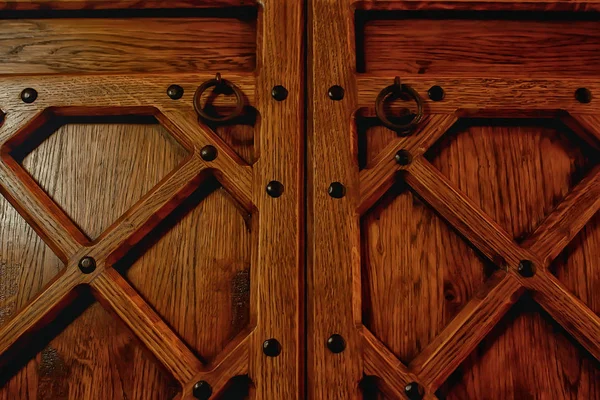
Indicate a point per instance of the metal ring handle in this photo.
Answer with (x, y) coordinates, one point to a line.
(216, 82)
(396, 90)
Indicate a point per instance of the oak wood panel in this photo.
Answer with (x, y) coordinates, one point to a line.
(109, 164)
(536, 357)
(490, 44)
(196, 274)
(479, 5)
(577, 266)
(26, 263)
(117, 4)
(417, 273)
(517, 171)
(119, 45)
(103, 360)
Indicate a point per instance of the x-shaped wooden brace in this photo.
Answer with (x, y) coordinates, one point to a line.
(447, 351)
(119, 95)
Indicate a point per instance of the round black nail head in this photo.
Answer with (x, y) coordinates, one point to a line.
(271, 347)
(526, 268)
(175, 92)
(336, 343)
(202, 390)
(583, 95)
(29, 95)
(275, 189)
(436, 93)
(337, 190)
(208, 153)
(403, 157)
(279, 93)
(413, 391)
(87, 265)
(336, 92)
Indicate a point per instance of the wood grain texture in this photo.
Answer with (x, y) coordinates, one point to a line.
(26, 263)
(417, 273)
(121, 45)
(575, 266)
(534, 357)
(478, 5)
(86, 353)
(470, 44)
(516, 171)
(196, 274)
(74, 161)
(118, 4)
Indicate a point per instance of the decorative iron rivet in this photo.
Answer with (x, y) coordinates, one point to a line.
(436, 93)
(583, 95)
(336, 343)
(526, 268)
(175, 92)
(413, 391)
(403, 157)
(208, 153)
(271, 348)
(337, 190)
(29, 95)
(275, 189)
(87, 265)
(202, 390)
(336, 93)
(279, 93)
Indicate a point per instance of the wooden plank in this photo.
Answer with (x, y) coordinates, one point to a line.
(469, 44)
(435, 364)
(118, 4)
(278, 294)
(115, 294)
(478, 5)
(500, 97)
(121, 45)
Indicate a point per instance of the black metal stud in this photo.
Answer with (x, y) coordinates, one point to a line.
(208, 153)
(29, 95)
(436, 93)
(271, 347)
(337, 190)
(413, 391)
(275, 189)
(403, 157)
(336, 93)
(202, 390)
(336, 343)
(87, 265)
(583, 95)
(526, 268)
(279, 93)
(175, 92)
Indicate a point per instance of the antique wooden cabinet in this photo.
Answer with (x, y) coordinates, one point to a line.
(453, 199)
(147, 253)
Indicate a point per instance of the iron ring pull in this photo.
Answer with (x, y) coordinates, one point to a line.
(396, 90)
(218, 82)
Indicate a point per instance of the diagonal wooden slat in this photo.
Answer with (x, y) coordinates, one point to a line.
(446, 352)
(117, 296)
(48, 220)
(570, 312)
(149, 211)
(234, 362)
(374, 181)
(381, 362)
(41, 309)
(563, 224)
(460, 211)
(233, 172)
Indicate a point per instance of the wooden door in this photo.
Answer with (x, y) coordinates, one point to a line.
(454, 195)
(147, 252)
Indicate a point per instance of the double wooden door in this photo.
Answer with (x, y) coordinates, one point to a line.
(193, 206)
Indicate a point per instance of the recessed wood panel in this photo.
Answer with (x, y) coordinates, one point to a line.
(516, 170)
(417, 272)
(577, 266)
(26, 263)
(96, 169)
(527, 356)
(85, 354)
(195, 270)
(478, 43)
(125, 42)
